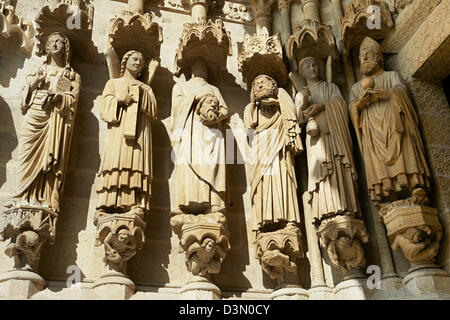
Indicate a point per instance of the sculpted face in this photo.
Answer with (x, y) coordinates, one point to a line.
(135, 63)
(369, 62)
(55, 44)
(263, 88)
(123, 236)
(211, 102)
(310, 69)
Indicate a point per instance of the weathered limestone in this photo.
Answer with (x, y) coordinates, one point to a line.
(11, 24)
(199, 117)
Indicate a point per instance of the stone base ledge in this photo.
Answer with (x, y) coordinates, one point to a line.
(20, 284)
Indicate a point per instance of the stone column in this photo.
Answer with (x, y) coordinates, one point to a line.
(199, 9)
(311, 10)
(262, 12)
(136, 5)
(284, 7)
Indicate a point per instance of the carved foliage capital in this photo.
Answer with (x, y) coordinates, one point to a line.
(311, 38)
(354, 26)
(135, 31)
(261, 8)
(207, 39)
(262, 54)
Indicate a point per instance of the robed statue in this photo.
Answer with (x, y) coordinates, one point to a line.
(274, 140)
(332, 178)
(128, 106)
(49, 103)
(387, 128)
(199, 114)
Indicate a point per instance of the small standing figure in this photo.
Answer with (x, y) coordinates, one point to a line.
(128, 106)
(49, 103)
(387, 128)
(276, 139)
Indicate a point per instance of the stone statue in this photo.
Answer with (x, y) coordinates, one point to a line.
(198, 117)
(387, 128)
(276, 139)
(332, 179)
(26, 250)
(205, 258)
(128, 106)
(49, 103)
(119, 248)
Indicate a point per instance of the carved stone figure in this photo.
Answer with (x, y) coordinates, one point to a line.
(332, 179)
(128, 106)
(49, 103)
(198, 117)
(25, 250)
(120, 248)
(205, 258)
(387, 129)
(272, 115)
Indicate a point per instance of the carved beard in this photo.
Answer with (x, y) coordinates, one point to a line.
(368, 68)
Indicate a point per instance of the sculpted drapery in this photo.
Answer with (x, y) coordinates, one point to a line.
(198, 114)
(274, 142)
(125, 174)
(49, 102)
(332, 179)
(387, 128)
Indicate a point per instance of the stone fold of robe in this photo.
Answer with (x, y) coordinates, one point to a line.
(274, 142)
(332, 178)
(45, 136)
(199, 149)
(389, 138)
(125, 174)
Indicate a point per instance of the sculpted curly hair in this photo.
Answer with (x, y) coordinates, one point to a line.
(126, 56)
(67, 48)
(274, 85)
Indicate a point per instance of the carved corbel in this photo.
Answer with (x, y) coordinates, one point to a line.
(262, 54)
(413, 227)
(28, 228)
(360, 21)
(277, 251)
(11, 24)
(132, 30)
(122, 235)
(207, 39)
(72, 18)
(205, 240)
(342, 237)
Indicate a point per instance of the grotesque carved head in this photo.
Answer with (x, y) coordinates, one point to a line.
(56, 45)
(31, 239)
(370, 56)
(133, 61)
(264, 87)
(124, 235)
(309, 68)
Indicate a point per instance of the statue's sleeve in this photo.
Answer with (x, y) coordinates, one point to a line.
(110, 110)
(27, 93)
(149, 104)
(222, 104)
(250, 116)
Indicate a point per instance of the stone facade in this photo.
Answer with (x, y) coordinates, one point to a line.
(160, 245)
